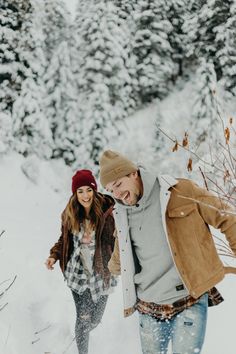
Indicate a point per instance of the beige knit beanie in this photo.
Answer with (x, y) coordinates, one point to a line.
(113, 166)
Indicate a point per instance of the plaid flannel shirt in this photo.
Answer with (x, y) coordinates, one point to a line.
(79, 272)
(166, 311)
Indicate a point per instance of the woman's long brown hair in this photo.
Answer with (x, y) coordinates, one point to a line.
(74, 213)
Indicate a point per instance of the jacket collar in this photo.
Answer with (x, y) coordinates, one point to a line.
(167, 181)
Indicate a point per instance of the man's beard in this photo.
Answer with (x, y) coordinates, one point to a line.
(134, 201)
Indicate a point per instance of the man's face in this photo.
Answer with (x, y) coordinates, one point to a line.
(126, 189)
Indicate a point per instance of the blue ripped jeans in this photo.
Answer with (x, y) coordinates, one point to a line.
(185, 331)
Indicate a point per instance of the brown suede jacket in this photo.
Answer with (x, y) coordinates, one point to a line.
(63, 248)
(188, 213)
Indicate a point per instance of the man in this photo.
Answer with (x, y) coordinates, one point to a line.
(165, 252)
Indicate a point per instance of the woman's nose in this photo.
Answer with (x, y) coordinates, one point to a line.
(85, 195)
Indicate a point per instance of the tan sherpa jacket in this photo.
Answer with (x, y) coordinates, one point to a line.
(187, 212)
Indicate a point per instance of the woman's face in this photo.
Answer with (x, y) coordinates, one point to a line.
(85, 196)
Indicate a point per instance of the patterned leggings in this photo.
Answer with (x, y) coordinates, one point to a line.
(88, 316)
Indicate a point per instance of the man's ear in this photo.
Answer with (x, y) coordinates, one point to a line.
(135, 174)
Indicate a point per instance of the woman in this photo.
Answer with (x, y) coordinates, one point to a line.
(83, 250)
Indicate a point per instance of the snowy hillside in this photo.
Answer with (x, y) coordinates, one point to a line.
(39, 315)
(39, 301)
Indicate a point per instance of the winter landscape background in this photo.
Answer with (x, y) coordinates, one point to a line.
(77, 77)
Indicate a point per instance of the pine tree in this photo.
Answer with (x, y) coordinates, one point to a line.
(200, 26)
(226, 41)
(204, 123)
(126, 11)
(31, 131)
(12, 70)
(61, 104)
(56, 22)
(152, 49)
(176, 14)
(103, 80)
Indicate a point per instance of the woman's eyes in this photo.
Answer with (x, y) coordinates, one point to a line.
(88, 191)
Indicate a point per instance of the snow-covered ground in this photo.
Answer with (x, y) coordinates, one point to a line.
(39, 301)
(39, 314)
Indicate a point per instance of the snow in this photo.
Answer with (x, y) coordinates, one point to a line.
(71, 5)
(39, 300)
(33, 194)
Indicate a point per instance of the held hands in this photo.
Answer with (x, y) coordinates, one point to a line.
(50, 262)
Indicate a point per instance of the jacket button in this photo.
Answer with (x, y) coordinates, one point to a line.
(124, 270)
(126, 289)
(123, 250)
(175, 254)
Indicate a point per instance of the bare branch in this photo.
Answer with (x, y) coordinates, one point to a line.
(4, 281)
(43, 329)
(222, 211)
(2, 307)
(227, 255)
(35, 341)
(189, 150)
(204, 178)
(2, 293)
(2, 233)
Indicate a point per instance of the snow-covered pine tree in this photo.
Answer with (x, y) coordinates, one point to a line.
(226, 40)
(153, 52)
(84, 10)
(103, 80)
(126, 11)
(205, 123)
(56, 22)
(32, 43)
(175, 14)
(200, 27)
(126, 8)
(104, 41)
(30, 128)
(31, 131)
(12, 70)
(61, 104)
(190, 28)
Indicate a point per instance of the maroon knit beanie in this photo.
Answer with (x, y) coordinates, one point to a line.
(83, 178)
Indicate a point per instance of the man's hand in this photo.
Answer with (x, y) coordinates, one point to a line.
(50, 262)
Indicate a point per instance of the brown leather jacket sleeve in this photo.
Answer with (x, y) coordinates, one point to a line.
(56, 250)
(114, 263)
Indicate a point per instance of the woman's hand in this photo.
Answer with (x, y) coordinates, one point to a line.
(50, 262)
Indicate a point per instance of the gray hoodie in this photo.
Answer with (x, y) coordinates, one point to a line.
(157, 279)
